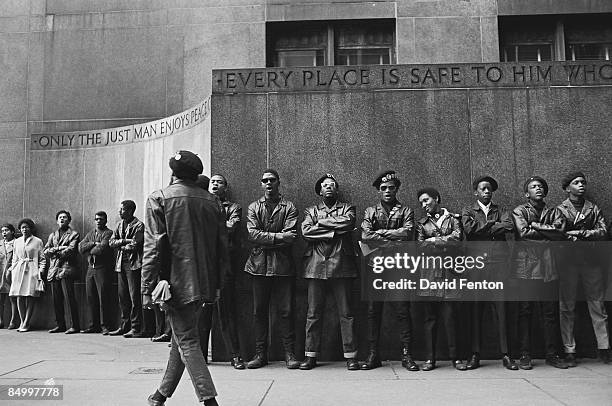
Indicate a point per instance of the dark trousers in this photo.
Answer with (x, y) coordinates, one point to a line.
(60, 289)
(548, 311)
(226, 315)
(185, 352)
(433, 310)
(97, 282)
(279, 289)
(162, 324)
(130, 299)
(402, 318)
(499, 317)
(341, 289)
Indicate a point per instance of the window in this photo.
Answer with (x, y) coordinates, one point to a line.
(354, 42)
(588, 37)
(525, 38)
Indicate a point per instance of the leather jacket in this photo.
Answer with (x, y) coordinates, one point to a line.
(63, 255)
(128, 242)
(399, 223)
(233, 215)
(191, 223)
(100, 256)
(270, 256)
(535, 260)
(592, 226)
(328, 232)
(492, 227)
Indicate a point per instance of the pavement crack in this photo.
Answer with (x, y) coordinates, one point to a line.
(397, 377)
(266, 394)
(548, 393)
(25, 366)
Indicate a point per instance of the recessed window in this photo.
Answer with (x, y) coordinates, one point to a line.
(527, 39)
(354, 42)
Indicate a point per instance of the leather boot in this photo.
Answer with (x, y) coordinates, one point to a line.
(309, 363)
(258, 361)
(372, 361)
(474, 362)
(291, 361)
(408, 362)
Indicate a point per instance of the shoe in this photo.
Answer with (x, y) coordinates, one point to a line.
(352, 364)
(57, 329)
(509, 363)
(117, 332)
(291, 361)
(459, 365)
(71, 330)
(570, 360)
(23, 329)
(237, 362)
(408, 362)
(525, 362)
(164, 338)
(371, 362)
(428, 365)
(211, 402)
(258, 361)
(309, 363)
(474, 362)
(91, 330)
(604, 356)
(133, 334)
(556, 361)
(155, 402)
(105, 331)
(12, 326)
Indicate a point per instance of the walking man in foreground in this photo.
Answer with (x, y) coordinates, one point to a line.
(191, 220)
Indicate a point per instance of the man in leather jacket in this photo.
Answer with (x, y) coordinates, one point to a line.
(329, 264)
(583, 222)
(272, 229)
(185, 230)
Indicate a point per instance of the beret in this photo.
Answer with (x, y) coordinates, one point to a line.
(534, 178)
(386, 176)
(567, 179)
(322, 178)
(203, 181)
(186, 164)
(489, 179)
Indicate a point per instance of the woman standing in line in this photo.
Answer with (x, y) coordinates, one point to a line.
(26, 271)
(6, 257)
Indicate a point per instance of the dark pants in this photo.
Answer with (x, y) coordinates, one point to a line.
(402, 318)
(281, 290)
(226, 315)
(97, 282)
(341, 289)
(499, 317)
(64, 288)
(185, 352)
(162, 324)
(433, 310)
(548, 311)
(130, 299)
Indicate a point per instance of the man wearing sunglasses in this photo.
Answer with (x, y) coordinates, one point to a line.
(272, 229)
(389, 220)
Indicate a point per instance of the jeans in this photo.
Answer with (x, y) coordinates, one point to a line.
(185, 352)
(402, 318)
(593, 286)
(281, 288)
(548, 310)
(226, 314)
(341, 288)
(61, 288)
(499, 317)
(130, 299)
(433, 311)
(96, 285)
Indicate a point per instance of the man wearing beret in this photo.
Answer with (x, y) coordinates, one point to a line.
(188, 219)
(272, 230)
(535, 270)
(583, 222)
(127, 241)
(485, 221)
(225, 307)
(388, 220)
(329, 263)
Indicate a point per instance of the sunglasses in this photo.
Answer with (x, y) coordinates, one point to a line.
(389, 188)
(268, 180)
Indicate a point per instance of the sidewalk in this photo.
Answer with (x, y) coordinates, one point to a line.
(102, 370)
